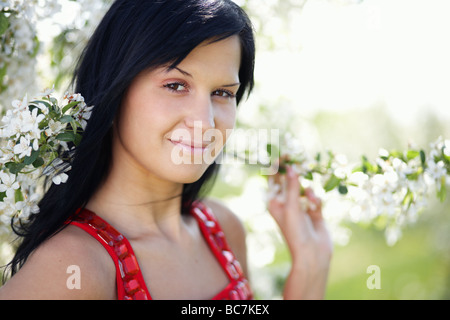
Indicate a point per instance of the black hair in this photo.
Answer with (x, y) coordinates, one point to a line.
(133, 36)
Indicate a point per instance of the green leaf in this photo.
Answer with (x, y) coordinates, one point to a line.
(309, 176)
(53, 114)
(37, 45)
(15, 168)
(367, 167)
(365, 163)
(18, 196)
(29, 160)
(414, 176)
(66, 136)
(53, 100)
(318, 157)
(77, 140)
(442, 192)
(343, 189)
(411, 154)
(38, 162)
(4, 23)
(273, 151)
(422, 158)
(332, 183)
(69, 106)
(66, 119)
(408, 199)
(269, 149)
(358, 169)
(73, 124)
(397, 154)
(3, 72)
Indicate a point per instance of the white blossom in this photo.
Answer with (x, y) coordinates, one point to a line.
(437, 172)
(31, 120)
(8, 183)
(28, 206)
(60, 178)
(23, 148)
(393, 234)
(446, 148)
(47, 92)
(54, 128)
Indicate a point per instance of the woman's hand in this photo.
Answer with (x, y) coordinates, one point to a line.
(306, 235)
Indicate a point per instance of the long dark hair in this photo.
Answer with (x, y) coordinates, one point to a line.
(133, 36)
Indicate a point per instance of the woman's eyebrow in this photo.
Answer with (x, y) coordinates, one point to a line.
(183, 72)
(190, 75)
(232, 85)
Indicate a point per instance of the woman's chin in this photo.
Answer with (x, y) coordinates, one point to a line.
(188, 173)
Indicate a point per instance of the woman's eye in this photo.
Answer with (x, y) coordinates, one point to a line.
(176, 86)
(224, 94)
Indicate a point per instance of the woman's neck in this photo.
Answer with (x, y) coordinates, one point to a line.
(138, 203)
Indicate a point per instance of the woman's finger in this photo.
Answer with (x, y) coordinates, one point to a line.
(315, 214)
(315, 205)
(293, 189)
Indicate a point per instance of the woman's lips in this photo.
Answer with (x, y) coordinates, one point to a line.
(191, 147)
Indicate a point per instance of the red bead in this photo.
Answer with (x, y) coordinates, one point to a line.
(131, 286)
(207, 210)
(238, 267)
(233, 295)
(200, 214)
(130, 266)
(84, 216)
(140, 295)
(210, 224)
(122, 273)
(229, 255)
(121, 250)
(232, 271)
(97, 223)
(241, 290)
(114, 234)
(219, 239)
(106, 237)
(110, 235)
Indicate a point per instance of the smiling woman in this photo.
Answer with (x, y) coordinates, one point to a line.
(161, 75)
(198, 91)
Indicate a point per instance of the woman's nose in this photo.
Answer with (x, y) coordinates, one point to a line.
(201, 112)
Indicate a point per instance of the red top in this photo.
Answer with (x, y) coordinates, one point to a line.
(131, 284)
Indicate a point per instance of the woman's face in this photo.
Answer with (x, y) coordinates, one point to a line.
(174, 122)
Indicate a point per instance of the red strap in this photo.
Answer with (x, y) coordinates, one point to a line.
(130, 283)
(238, 288)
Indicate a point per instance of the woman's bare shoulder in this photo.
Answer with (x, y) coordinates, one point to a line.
(227, 218)
(233, 228)
(69, 265)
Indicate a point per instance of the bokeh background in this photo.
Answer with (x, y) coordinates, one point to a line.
(344, 75)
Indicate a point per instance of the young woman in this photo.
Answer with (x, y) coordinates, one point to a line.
(130, 220)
